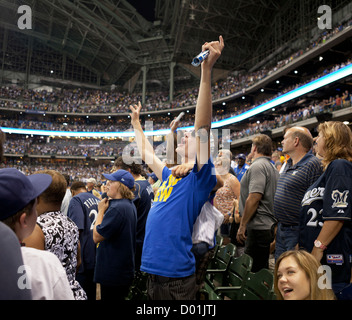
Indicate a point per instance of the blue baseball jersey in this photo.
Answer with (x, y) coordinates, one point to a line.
(143, 200)
(239, 172)
(168, 236)
(83, 210)
(329, 198)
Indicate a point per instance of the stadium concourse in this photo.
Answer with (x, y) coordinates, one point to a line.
(106, 192)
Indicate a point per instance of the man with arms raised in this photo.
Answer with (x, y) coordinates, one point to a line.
(167, 256)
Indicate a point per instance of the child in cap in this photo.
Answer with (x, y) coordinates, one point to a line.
(115, 233)
(42, 271)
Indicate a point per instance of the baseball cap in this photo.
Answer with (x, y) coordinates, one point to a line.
(122, 176)
(17, 190)
(241, 156)
(153, 176)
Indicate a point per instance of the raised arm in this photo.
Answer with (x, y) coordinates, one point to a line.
(203, 116)
(145, 149)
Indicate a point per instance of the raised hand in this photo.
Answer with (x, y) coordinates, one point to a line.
(215, 48)
(136, 110)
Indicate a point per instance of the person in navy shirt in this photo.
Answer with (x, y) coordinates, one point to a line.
(83, 210)
(325, 226)
(115, 233)
(143, 199)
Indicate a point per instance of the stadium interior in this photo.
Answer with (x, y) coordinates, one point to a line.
(74, 73)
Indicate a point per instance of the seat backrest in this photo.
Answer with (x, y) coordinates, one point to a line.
(225, 253)
(219, 240)
(259, 286)
(238, 270)
(222, 257)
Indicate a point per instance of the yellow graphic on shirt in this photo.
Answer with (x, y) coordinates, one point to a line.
(166, 188)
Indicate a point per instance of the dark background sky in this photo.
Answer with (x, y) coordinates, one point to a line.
(145, 8)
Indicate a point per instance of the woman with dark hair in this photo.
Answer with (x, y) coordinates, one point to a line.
(325, 226)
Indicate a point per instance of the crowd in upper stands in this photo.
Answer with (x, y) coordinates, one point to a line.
(120, 124)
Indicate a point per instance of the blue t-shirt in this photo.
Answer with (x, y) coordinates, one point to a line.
(83, 210)
(330, 198)
(115, 254)
(168, 235)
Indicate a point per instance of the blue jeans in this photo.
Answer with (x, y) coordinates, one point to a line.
(286, 239)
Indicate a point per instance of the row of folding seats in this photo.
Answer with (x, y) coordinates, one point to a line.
(230, 277)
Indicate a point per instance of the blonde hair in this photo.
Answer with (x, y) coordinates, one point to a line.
(309, 265)
(338, 141)
(126, 193)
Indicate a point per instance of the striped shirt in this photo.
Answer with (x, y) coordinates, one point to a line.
(292, 185)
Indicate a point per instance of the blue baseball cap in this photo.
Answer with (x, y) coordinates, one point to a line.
(241, 156)
(17, 190)
(153, 176)
(122, 176)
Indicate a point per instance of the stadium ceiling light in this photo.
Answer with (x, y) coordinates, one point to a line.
(298, 92)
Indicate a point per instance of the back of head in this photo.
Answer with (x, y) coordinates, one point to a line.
(304, 136)
(128, 163)
(57, 189)
(67, 178)
(226, 153)
(263, 144)
(78, 185)
(338, 141)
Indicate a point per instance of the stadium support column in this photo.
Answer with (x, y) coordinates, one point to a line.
(28, 62)
(144, 88)
(171, 91)
(4, 48)
(63, 65)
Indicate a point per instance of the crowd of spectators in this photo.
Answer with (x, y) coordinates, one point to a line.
(100, 101)
(108, 148)
(76, 170)
(327, 105)
(63, 147)
(159, 122)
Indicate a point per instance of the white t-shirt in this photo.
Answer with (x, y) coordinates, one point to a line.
(46, 276)
(208, 221)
